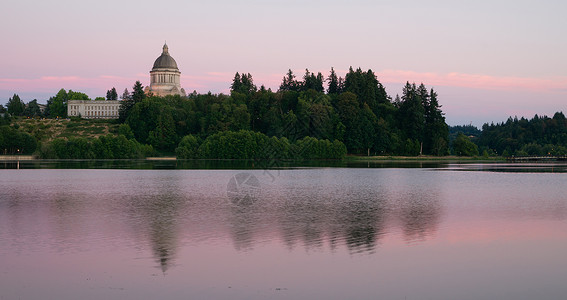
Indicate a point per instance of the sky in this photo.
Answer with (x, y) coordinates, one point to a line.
(486, 59)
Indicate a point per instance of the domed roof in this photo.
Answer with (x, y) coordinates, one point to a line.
(165, 61)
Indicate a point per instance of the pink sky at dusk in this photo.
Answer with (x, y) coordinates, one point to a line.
(487, 60)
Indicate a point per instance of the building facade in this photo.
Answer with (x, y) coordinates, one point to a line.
(165, 76)
(164, 80)
(93, 109)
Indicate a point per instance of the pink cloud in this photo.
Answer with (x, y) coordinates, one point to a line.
(60, 78)
(476, 81)
(93, 86)
(216, 82)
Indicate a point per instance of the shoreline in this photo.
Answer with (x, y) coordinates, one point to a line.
(386, 158)
(425, 158)
(16, 157)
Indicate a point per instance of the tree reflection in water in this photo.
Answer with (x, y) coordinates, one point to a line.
(156, 215)
(314, 217)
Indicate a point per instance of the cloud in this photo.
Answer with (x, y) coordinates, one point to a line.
(60, 78)
(219, 81)
(475, 81)
(49, 85)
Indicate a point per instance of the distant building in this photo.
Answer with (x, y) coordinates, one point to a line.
(93, 109)
(42, 107)
(164, 80)
(165, 76)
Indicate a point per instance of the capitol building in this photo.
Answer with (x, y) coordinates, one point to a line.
(164, 76)
(164, 81)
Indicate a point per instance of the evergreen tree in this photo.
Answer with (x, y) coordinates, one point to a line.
(341, 88)
(367, 87)
(333, 80)
(126, 95)
(348, 108)
(129, 100)
(411, 113)
(243, 84)
(111, 94)
(289, 83)
(248, 86)
(16, 106)
(319, 83)
(236, 85)
(32, 109)
(436, 131)
(138, 93)
(164, 136)
(310, 81)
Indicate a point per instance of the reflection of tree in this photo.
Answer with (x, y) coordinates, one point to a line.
(303, 220)
(162, 230)
(420, 214)
(327, 215)
(363, 222)
(157, 215)
(243, 220)
(354, 217)
(243, 192)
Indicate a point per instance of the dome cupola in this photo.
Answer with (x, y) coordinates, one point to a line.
(165, 61)
(165, 78)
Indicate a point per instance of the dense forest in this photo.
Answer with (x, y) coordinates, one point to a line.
(521, 137)
(309, 117)
(355, 111)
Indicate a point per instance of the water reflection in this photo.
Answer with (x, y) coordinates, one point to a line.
(157, 215)
(305, 221)
(315, 213)
(328, 232)
(420, 215)
(163, 234)
(364, 222)
(302, 208)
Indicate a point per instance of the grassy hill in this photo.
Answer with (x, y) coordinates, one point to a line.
(45, 130)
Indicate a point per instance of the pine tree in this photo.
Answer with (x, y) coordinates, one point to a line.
(111, 94)
(126, 95)
(319, 83)
(164, 136)
(248, 86)
(15, 106)
(138, 93)
(129, 100)
(411, 113)
(289, 83)
(436, 131)
(32, 109)
(333, 80)
(236, 83)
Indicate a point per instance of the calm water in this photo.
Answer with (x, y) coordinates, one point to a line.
(446, 232)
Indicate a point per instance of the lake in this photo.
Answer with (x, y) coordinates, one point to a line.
(351, 231)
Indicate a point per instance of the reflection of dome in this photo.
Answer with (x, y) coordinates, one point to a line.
(165, 76)
(165, 61)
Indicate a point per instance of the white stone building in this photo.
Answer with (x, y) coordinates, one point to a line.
(164, 80)
(165, 76)
(93, 109)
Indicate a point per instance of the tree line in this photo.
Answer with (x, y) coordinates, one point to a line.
(246, 144)
(540, 135)
(355, 111)
(103, 147)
